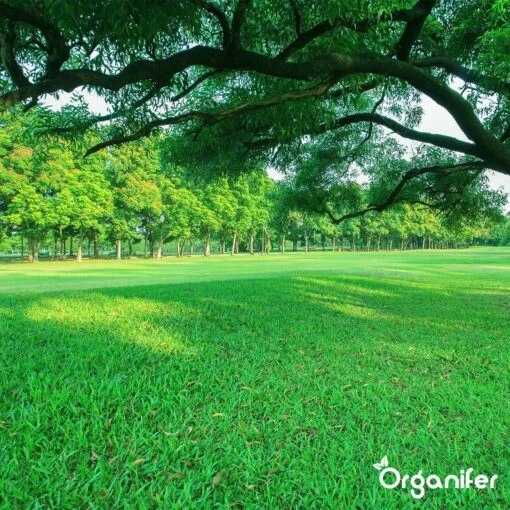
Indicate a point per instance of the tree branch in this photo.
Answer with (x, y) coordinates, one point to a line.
(393, 197)
(362, 26)
(7, 40)
(446, 142)
(297, 17)
(422, 9)
(58, 49)
(210, 118)
(462, 72)
(220, 17)
(237, 23)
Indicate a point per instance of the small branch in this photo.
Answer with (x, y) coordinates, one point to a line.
(361, 26)
(462, 72)
(220, 17)
(393, 197)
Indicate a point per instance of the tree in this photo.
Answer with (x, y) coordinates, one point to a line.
(253, 80)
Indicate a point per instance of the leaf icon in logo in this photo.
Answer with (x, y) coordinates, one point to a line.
(382, 464)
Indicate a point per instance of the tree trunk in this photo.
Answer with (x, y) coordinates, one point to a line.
(79, 255)
(130, 248)
(159, 251)
(294, 245)
(22, 247)
(119, 249)
(333, 244)
(222, 249)
(378, 243)
(282, 246)
(234, 239)
(71, 254)
(33, 247)
(250, 244)
(178, 248)
(96, 246)
(369, 241)
(190, 247)
(207, 249)
(306, 241)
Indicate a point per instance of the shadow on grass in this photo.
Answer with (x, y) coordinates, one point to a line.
(293, 387)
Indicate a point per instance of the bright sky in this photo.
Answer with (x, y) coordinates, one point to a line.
(435, 120)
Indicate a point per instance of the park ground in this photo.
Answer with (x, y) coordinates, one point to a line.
(254, 382)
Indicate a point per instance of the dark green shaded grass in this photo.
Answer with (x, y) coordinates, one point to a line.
(292, 385)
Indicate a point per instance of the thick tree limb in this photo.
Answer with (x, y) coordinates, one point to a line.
(237, 23)
(7, 41)
(339, 65)
(413, 28)
(297, 17)
(59, 51)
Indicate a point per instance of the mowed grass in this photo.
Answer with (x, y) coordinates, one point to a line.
(254, 382)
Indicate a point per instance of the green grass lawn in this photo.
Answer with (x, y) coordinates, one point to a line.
(271, 382)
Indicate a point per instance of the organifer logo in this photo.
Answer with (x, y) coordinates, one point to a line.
(390, 478)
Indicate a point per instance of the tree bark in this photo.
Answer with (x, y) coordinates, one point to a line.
(119, 249)
(234, 239)
(96, 245)
(33, 247)
(79, 254)
(207, 248)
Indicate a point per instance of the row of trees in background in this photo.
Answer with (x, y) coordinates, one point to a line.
(54, 201)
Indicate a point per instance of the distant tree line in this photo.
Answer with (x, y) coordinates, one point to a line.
(129, 202)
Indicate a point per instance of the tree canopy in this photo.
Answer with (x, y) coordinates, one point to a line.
(320, 89)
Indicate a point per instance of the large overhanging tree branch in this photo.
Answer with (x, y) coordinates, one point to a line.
(209, 118)
(311, 56)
